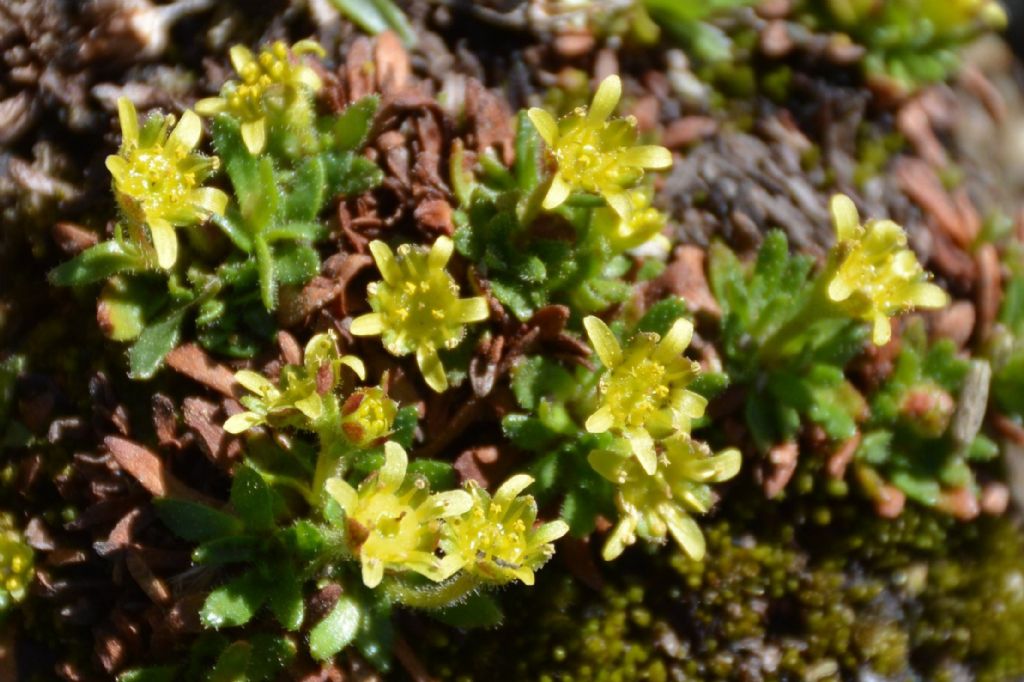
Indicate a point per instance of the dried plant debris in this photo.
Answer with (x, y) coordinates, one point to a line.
(387, 340)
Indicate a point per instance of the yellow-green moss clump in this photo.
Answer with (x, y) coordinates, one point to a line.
(762, 608)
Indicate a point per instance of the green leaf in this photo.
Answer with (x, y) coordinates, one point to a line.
(96, 263)
(228, 224)
(404, 426)
(233, 549)
(304, 193)
(352, 126)
(302, 540)
(270, 655)
(234, 603)
(527, 432)
(528, 169)
(307, 231)
(476, 611)
(295, 263)
(377, 16)
(232, 664)
(336, 630)
(164, 673)
(660, 317)
(350, 175)
(284, 597)
(268, 274)
(195, 522)
(147, 354)
(252, 499)
(439, 474)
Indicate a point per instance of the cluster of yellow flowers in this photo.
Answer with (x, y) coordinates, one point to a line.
(597, 155)
(16, 565)
(394, 522)
(416, 308)
(273, 82)
(158, 178)
(661, 474)
(873, 275)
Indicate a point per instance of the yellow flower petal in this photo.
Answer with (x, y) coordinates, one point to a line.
(545, 124)
(684, 530)
(510, 489)
(210, 200)
(129, 122)
(643, 447)
(600, 421)
(618, 200)
(845, 218)
(604, 342)
(211, 106)
(373, 572)
(447, 504)
(118, 168)
(605, 99)
(881, 330)
(440, 253)
(241, 422)
(649, 156)
(165, 243)
(186, 134)
(354, 364)
(386, 263)
(675, 341)
(928, 295)
(549, 532)
(254, 135)
(622, 536)
(469, 310)
(430, 365)
(240, 57)
(370, 324)
(557, 193)
(253, 382)
(392, 472)
(344, 494)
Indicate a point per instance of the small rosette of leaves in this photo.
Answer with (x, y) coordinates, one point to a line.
(917, 438)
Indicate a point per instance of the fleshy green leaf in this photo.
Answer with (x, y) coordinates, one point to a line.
(195, 522)
(352, 126)
(336, 631)
(96, 263)
(377, 16)
(305, 192)
(158, 339)
(252, 499)
(284, 597)
(234, 603)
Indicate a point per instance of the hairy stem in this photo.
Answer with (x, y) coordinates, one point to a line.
(432, 596)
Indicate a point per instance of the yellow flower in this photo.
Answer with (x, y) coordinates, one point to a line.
(367, 416)
(299, 391)
(643, 392)
(274, 81)
(496, 539)
(158, 177)
(416, 308)
(643, 223)
(393, 522)
(876, 276)
(16, 564)
(653, 506)
(594, 154)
